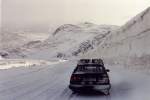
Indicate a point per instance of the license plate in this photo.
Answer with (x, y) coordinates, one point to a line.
(90, 79)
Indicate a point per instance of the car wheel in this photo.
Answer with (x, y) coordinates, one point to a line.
(106, 92)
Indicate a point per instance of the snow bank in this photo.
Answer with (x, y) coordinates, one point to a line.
(130, 45)
(13, 63)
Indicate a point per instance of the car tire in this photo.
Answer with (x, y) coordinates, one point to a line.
(106, 92)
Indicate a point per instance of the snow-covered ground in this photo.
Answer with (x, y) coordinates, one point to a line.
(129, 45)
(13, 63)
(124, 49)
(51, 83)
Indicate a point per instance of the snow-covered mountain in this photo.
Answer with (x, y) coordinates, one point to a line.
(69, 40)
(11, 42)
(130, 45)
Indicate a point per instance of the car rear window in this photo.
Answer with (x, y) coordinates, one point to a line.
(90, 68)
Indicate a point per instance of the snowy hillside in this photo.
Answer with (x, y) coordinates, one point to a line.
(11, 39)
(11, 42)
(70, 40)
(130, 45)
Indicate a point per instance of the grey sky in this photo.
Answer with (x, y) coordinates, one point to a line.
(54, 12)
(0, 13)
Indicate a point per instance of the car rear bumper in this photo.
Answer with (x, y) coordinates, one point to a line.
(96, 87)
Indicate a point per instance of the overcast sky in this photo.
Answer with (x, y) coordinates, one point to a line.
(54, 12)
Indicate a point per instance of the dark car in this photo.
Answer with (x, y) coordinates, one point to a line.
(90, 74)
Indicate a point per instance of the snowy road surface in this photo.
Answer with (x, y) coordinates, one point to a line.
(51, 83)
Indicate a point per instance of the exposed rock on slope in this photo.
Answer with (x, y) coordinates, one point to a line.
(67, 28)
(72, 40)
(67, 41)
(81, 38)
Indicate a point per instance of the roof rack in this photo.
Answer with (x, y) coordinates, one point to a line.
(90, 61)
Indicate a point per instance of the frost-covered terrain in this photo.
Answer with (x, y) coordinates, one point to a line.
(16, 39)
(12, 42)
(130, 45)
(66, 41)
(51, 83)
(71, 40)
(34, 79)
(14, 63)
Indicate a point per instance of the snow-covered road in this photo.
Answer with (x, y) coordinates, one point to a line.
(51, 83)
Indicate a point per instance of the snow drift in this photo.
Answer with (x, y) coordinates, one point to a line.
(130, 45)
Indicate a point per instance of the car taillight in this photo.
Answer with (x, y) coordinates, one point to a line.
(106, 80)
(103, 79)
(75, 78)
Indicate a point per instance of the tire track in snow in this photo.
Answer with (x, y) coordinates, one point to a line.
(21, 75)
(66, 94)
(72, 95)
(108, 97)
(46, 88)
(29, 71)
(24, 83)
(42, 90)
(19, 83)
